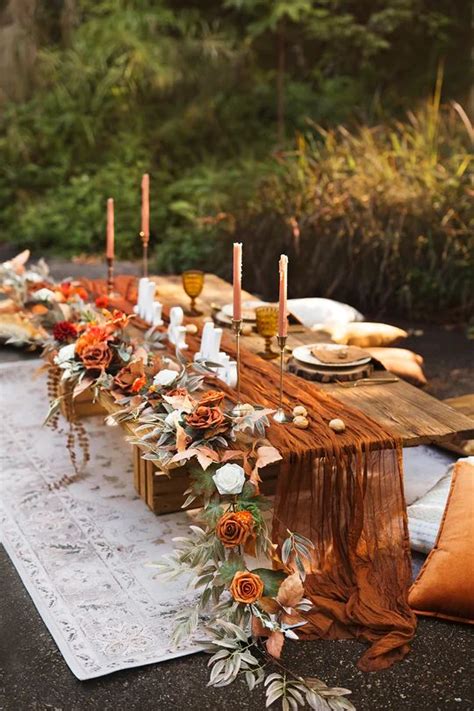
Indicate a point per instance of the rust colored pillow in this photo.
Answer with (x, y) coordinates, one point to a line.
(445, 585)
(364, 334)
(401, 362)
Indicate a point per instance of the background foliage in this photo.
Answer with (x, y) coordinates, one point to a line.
(235, 107)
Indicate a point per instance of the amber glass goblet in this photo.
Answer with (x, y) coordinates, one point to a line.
(193, 284)
(267, 326)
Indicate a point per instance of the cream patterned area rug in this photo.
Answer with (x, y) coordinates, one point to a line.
(82, 546)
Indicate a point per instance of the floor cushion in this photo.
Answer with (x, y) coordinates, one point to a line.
(316, 311)
(446, 581)
(364, 334)
(423, 467)
(401, 362)
(426, 514)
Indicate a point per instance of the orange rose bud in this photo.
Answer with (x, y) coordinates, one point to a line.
(82, 293)
(234, 528)
(246, 587)
(102, 302)
(138, 384)
(213, 398)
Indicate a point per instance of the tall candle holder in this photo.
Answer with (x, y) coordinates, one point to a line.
(110, 276)
(237, 329)
(279, 415)
(145, 239)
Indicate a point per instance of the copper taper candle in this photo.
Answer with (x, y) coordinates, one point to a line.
(145, 230)
(110, 248)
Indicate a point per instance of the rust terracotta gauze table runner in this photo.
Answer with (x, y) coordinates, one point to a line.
(345, 493)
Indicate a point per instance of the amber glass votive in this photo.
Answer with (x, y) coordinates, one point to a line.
(267, 327)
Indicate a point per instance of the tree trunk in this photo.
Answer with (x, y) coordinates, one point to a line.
(280, 79)
(18, 47)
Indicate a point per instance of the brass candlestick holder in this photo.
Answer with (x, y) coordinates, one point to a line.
(145, 239)
(110, 276)
(280, 415)
(237, 329)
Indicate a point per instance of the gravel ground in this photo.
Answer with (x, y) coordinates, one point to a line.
(436, 676)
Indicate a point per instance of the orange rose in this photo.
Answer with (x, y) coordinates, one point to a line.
(246, 587)
(96, 356)
(234, 528)
(91, 336)
(126, 377)
(213, 398)
(205, 418)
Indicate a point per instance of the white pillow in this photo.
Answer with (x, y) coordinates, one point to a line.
(316, 311)
(423, 467)
(424, 516)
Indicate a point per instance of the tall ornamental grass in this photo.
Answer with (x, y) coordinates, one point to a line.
(379, 217)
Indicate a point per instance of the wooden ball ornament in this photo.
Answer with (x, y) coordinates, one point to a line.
(337, 425)
(300, 410)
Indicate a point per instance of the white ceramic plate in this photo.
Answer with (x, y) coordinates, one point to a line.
(303, 355)
(248, 309)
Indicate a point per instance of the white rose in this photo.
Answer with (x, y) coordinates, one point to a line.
(43, 295)
(173, 418)
(229, 479)
(65, 353)
(165, 377)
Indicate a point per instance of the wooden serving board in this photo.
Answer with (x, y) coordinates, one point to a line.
(325, 375)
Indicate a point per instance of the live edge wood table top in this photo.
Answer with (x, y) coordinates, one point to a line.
(406, 411)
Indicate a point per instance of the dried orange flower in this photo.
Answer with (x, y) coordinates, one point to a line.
(246, 587)
(234, 528)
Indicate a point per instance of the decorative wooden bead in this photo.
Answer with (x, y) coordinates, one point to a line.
(337, 425)
(246, 329)
(300, 410)
(301, 422)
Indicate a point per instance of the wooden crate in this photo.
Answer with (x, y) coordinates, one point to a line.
(163, 492)
(84, 405)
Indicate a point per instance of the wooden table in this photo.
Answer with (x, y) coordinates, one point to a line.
(406, 411)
